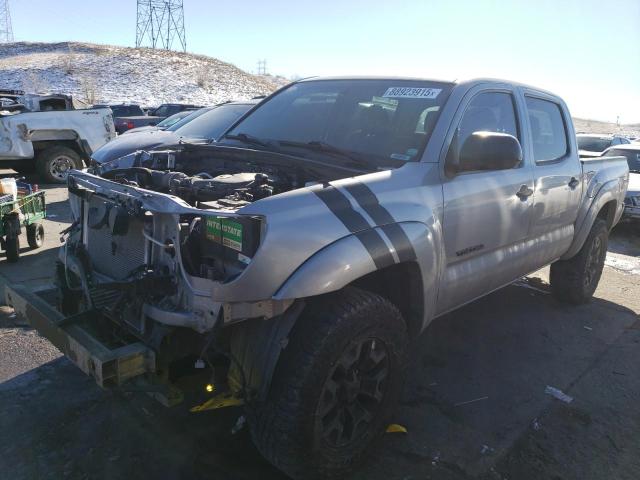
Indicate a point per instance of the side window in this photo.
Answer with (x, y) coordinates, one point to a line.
(488, 112)
(548, 131)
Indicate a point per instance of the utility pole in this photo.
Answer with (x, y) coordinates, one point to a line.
(262, 67)
(159, 23)
(6, 30)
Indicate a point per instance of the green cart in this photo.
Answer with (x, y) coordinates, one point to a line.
(26, 211)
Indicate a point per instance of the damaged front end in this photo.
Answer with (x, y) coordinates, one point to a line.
(138, 273)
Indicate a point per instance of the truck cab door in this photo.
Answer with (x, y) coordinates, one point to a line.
(557, 175)
(486, 213)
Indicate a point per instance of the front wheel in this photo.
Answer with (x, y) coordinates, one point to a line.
(335, 386)
(575, 280)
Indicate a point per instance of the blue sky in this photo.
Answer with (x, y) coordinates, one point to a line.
(588, 51)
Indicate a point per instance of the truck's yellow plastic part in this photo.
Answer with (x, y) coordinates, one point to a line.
(221, 400)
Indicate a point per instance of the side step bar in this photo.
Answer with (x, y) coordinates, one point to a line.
(109, 367)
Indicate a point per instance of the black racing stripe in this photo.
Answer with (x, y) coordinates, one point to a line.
(376, 247)
(356, 223)
(400, 242)
(381, 216)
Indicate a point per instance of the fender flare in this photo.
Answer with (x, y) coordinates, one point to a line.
(328, 270)
(345, 261)
(607, 193)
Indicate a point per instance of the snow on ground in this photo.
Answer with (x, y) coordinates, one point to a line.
(624, 249)
(623, 263)
(110, 74)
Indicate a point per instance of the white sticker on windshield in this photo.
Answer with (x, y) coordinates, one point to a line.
(412, 92)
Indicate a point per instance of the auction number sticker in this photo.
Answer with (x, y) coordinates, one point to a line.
(412, 92)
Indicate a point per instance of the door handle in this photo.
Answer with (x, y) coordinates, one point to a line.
(524, 192)
(573, 183)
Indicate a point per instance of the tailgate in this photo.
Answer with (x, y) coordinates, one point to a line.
(110, 366)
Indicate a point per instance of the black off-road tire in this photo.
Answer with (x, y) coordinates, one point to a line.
(575, 280)
(55, 159)
(35, 235)
(333, 330)
(12, 249)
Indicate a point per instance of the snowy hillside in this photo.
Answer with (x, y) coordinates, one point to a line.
(109, 74)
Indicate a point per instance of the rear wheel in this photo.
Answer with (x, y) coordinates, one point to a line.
(335, 386)
(35, 235)
(575, 280)
(55, 163)
(12, 246)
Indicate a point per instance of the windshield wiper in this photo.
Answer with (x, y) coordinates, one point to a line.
(249, 139)
(319, 146)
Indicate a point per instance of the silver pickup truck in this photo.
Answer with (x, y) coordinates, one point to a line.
(295, 260)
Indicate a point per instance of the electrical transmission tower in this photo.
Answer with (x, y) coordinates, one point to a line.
(159, 23)
(6, 31)
(262, 67)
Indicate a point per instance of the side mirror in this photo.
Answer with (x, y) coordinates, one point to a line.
(489, 151)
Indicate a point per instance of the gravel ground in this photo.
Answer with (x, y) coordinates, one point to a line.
(475, 405)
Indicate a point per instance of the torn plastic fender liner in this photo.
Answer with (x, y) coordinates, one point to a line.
(256, 346)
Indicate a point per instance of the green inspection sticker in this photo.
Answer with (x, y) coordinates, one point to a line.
(225, 231)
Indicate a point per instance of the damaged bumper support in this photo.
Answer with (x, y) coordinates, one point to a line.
(110, 367)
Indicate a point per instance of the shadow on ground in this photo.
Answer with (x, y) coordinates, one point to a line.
(475, 386)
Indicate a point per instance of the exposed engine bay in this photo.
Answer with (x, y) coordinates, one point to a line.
(225, 178)
(225, 191)
(139, 256)
(215, 248)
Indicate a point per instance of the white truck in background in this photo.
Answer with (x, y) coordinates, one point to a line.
(52, 140)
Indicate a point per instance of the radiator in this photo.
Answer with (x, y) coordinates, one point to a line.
(116, 256)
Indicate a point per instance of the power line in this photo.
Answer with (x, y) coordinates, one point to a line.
(6, 30)
(160, 23)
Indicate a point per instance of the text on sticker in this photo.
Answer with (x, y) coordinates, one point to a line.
(412, 92)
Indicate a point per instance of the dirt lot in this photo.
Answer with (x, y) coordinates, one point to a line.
(475, 405)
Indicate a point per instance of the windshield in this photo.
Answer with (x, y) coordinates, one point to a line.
(386, 120)
(633, 158)
(213, 122)
(173, 119)
(593, 144)
(191, 116)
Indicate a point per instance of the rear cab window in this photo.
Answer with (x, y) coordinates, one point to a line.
(548, 130)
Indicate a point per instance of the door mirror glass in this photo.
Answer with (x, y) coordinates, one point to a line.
(489, 151)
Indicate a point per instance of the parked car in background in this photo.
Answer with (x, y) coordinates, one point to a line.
(127, 116)
(205, 126)
(34, 102)
(151, 117)
(122, 109)
(167, 109)
(632, 200)
(593, 144)
(164, 124)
